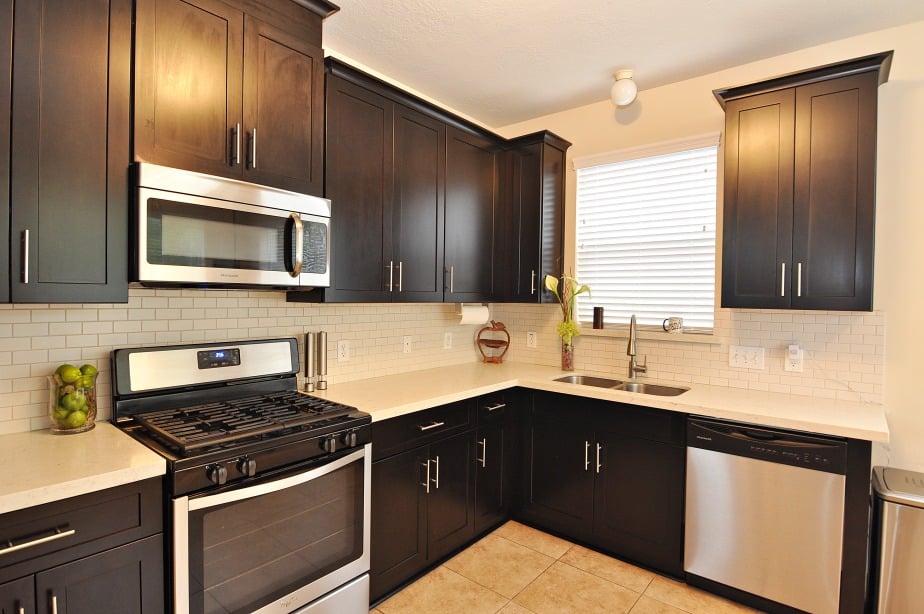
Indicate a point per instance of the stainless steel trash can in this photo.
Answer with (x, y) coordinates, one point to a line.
(899, 534)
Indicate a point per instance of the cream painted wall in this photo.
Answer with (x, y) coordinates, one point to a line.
(687, 108)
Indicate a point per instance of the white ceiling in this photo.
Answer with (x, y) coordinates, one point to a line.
(505, 61)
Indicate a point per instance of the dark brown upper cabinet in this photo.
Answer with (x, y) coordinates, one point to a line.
(232, 88)
(528, 235)
(413, 191)
(69, 138)
(471, 196)
(799, 200)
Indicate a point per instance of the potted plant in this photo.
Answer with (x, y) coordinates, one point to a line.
(568, 329)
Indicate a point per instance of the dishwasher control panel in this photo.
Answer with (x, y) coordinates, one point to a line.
(827, 454)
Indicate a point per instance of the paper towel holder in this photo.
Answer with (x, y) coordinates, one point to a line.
(492, 344)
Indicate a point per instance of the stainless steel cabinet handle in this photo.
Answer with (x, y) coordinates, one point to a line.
(22, 610)
(25, 256)
(426, 482)
(400, 275)
(586, 455)
(495, 407)
(299, 245)
(54, 604)
(436, 462)
(599, 466)
(253, 149)
(451, 271)
(484, 451)
(799, 279)
(236, 148)
(782, 279)
(56, 534)
(432, 425)
(391, 274)
(532, 282)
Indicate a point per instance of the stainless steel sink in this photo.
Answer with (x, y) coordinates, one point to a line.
(655, 389)
(589, 380)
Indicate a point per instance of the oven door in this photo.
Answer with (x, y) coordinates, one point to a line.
(274, 546)
(194, 240)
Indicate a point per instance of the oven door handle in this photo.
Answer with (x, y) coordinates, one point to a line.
(230, 496)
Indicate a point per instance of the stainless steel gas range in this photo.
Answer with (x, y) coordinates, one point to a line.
(268, 488)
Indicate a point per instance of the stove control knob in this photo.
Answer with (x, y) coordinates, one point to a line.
(329, 444)
(218, 474)
(247, 466)
(350, 439)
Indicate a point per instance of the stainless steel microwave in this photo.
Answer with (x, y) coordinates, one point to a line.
(194, 229)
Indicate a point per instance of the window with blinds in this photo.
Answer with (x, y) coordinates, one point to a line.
(646, 234)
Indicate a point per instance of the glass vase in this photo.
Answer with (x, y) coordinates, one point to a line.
(72, 405)
(567, 356)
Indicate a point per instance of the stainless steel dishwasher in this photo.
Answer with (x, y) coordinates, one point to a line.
(765, 513)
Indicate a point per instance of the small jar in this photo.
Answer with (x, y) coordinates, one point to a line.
(72, 399)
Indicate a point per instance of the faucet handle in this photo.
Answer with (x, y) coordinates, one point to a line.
(642, 368)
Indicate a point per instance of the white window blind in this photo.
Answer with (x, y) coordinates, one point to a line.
(646, 236)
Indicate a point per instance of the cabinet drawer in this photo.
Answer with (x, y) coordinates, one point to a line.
(35, 538)
(642, 422)
(493, 408)
(422, 427)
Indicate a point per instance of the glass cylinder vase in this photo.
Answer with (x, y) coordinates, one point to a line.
(567, 356)
(72, 400)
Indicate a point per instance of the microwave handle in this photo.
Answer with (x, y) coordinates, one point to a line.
(299, 244)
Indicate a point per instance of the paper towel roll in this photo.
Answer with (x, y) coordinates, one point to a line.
(474, 314)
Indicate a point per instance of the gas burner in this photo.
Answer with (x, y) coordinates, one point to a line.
(199, 427)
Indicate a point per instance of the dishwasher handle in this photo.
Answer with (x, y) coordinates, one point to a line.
(817, 452)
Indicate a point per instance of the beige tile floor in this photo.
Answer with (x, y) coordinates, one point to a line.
(519, 570)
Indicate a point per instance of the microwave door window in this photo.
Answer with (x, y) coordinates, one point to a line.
(183, 234)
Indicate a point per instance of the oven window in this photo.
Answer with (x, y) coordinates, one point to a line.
(247, 554)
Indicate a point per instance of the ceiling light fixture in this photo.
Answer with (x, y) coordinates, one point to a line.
(624, 90)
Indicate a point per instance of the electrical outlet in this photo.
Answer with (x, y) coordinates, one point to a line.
(447, 341)
(407, 344)
(343, 351)
(794, 360)
(746, 357)
(531, 339)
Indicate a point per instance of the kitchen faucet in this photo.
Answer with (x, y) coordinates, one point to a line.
(631, 351)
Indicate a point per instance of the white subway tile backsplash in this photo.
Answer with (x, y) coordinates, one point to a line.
(844, 352)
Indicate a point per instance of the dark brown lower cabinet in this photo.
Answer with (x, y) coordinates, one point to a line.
(106, 554)
(609, 475)
(128, 579)
(423, 509)
(496, 466)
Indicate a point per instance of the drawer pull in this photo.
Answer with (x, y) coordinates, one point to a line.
(495, 407)
(432, 425)
(56, 534)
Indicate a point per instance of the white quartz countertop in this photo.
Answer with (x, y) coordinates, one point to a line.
(395, 395)
(40, 467)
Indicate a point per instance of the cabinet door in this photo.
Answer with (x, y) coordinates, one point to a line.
(758, 203)
(834, 201)
(638, 500)
(188, 72)
(420, 161)
(128, 579)
(492, 499)
(18, 596)
(450, 505)
(471, 189)
(6, 68)
(399, 530)
(558, 468)
(70, 138)
(283, 109)
(359, 182)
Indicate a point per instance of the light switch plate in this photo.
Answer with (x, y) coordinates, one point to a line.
(746, 357)
(343, 350)
(530, 339)
(794, 361)
(407, 344)
(447, 341)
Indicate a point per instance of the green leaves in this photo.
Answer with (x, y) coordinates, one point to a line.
(570, 288)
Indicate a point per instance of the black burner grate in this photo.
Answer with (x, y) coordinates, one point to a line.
(192, 428)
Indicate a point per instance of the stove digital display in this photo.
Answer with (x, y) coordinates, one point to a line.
(211, 359)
